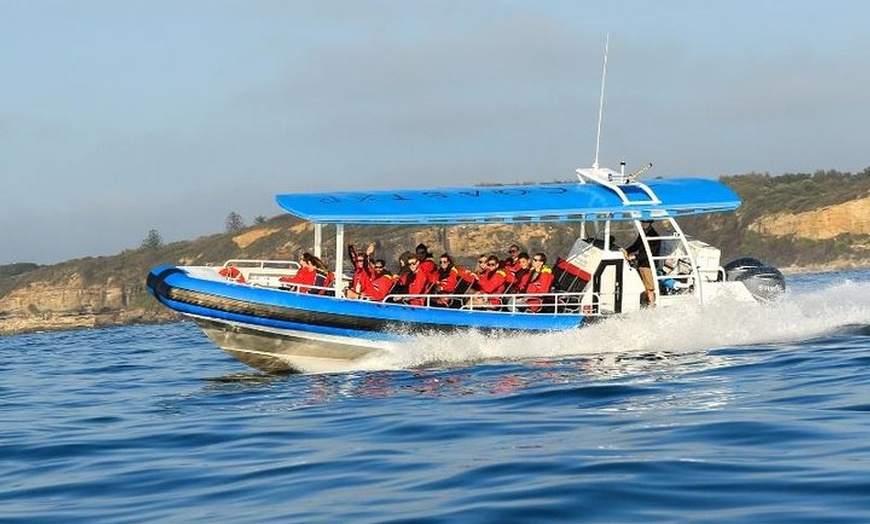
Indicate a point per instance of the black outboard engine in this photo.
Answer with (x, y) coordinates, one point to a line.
(764, 282)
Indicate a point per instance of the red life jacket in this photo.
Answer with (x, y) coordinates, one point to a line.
(418, 285)
(492, 282)
(541, 282)
(521, 280)
(427, 265)
(381, 287)
(511, 264)
(447, 280)
(305, 275)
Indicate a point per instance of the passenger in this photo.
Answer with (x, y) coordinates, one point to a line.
(418, 282)
(305, 276)
(402, 276)
(382, 284)
(446, 280)
(521, 276)
(636, 252)
(481, 264)
(424, 256)
(540, 282)
(491, 282)
(512, 262)
(323, 277)
(363, 274)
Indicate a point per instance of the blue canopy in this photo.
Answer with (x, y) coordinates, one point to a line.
(513, 203)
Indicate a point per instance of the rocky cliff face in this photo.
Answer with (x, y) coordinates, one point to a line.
(49, 306)
(828, 222)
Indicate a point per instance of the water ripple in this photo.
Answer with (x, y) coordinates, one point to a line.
(152, 423)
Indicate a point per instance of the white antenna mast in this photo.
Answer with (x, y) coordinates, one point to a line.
(601, 102)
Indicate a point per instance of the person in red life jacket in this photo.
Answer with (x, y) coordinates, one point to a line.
(305, 276)
(325, 280)
(522, 275)
(512, 262)
(480, 269)
(382, 284)
(427, 263)
(540, 282)
(402, 276)
(418, 282)
(491, 282)
(363, 274)
(323, 277)
(446, 280)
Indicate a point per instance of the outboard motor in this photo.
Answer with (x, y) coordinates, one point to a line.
(764, 282)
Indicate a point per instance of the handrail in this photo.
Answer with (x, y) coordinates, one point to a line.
(556, 303)
(244, 263)
(550, 303)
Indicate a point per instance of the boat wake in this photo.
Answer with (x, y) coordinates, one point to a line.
(801, 315)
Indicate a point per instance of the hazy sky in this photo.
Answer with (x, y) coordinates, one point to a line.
(121, 116)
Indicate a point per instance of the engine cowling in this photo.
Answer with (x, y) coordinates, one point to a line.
(764, 282)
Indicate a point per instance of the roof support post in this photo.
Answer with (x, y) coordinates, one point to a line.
(339, 259)
(318, 239)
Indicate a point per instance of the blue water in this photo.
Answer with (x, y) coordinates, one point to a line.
(732, 413)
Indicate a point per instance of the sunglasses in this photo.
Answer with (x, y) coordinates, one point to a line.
(492, 264)
(481, 261)
(537, 260)
(412, 262)
(445, 261)
(513, 250)
(379, 267)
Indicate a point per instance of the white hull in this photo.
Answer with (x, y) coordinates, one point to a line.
(284, 350)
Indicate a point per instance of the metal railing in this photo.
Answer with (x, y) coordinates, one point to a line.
(266, 273)
(242, 263)
(556, 303)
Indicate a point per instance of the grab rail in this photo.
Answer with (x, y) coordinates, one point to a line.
(243, 263)
(560, 303)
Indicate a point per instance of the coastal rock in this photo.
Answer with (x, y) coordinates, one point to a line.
(828, 222)
(46, 306)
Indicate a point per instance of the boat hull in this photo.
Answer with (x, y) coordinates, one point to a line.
(283, 351)
(279, 331)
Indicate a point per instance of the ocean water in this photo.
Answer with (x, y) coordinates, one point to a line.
(725, 413)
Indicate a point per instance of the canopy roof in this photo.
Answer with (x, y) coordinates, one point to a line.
(513, 203)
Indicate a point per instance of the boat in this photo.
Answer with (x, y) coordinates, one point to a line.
(242, 308)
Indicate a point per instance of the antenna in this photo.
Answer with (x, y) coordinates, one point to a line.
(601, 103)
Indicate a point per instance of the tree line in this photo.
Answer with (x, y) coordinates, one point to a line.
(233, 223)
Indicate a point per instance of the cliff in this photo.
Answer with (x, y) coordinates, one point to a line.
(825, 223)
(819, 221)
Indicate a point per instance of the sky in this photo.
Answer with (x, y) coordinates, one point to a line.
(119, 117)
